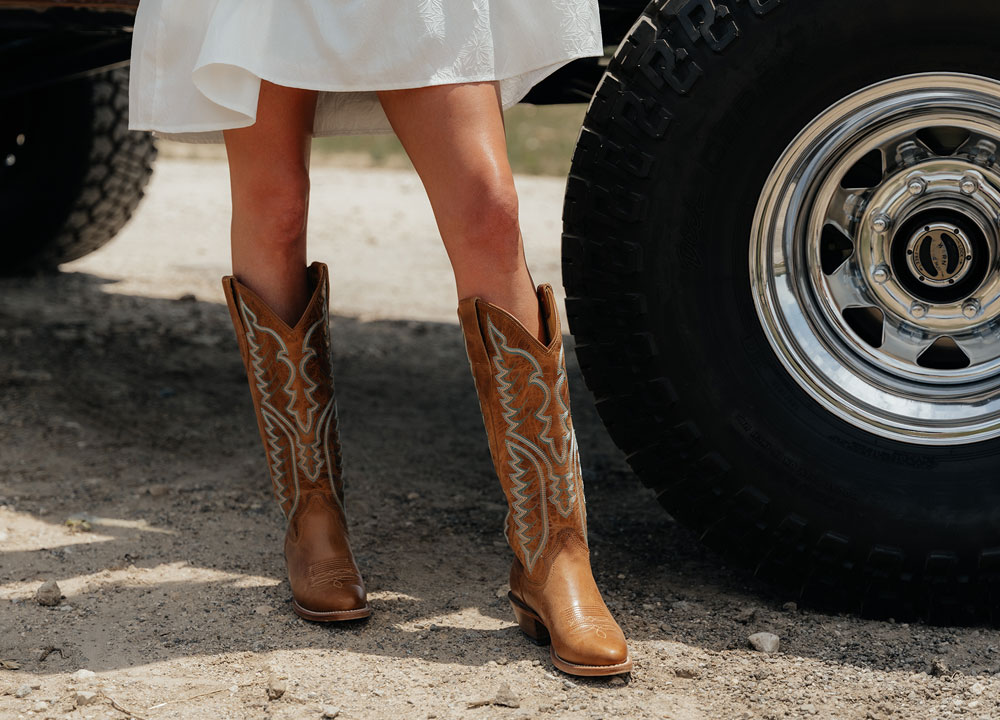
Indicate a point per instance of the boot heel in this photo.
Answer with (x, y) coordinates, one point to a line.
(530, 624)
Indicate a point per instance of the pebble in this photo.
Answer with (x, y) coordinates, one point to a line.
(617, 681)
(48, 594)
(276, 687)
(790, 607)
(23, 691)
(263, 609)
(680, 605)
(329, 712)
(977, 689)
(809, 708)
(765, 642)
(505, 697)
(746, 615)
(85, 697)
(40, 706)
(939, 668)
(83, 675)
(689, 673)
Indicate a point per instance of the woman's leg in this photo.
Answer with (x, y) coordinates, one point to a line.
(269, 177)
(280, 312)
(454, 135)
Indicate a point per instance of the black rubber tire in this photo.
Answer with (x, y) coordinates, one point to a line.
(697, 105)
(76, 177)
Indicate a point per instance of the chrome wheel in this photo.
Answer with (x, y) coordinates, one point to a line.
(874, 259)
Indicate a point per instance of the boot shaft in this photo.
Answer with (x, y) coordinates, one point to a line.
(524, 398)
(291, 383)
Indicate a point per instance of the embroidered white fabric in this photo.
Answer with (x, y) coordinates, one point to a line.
(197, 64)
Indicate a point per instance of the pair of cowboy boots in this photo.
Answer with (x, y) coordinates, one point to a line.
(524, 399)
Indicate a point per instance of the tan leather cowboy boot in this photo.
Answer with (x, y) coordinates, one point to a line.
(525, 402)
(291, 381)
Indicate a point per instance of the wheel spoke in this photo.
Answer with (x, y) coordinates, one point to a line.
(845, 208)
(847, 288)
(978, 149)
(906, 151)
(904, 343)
(981, 346)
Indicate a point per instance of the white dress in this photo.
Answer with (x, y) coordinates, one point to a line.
(197, 64)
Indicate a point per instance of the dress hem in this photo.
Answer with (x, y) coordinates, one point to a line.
(210, 133)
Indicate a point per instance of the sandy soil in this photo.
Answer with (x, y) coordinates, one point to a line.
(130, 473)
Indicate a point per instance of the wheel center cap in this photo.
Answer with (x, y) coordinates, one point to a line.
(939, 254)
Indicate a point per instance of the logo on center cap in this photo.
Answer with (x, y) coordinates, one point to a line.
(939, 255)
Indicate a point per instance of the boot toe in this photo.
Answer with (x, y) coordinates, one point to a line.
(331, 598)
(592, 651)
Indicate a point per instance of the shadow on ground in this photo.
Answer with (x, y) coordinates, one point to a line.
(133, 412)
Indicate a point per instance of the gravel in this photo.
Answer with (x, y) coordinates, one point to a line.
(185, 542)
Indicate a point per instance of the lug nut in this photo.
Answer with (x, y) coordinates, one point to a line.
(970, 308)
(881, 222)
(917, 186)
(881, 273)
(969, 185)
(918, 310)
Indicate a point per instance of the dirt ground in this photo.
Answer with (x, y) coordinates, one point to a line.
(131, 474)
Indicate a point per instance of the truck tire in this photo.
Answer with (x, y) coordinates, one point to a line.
(71, 173)
(780, 257)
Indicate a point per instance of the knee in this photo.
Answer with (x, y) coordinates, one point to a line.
(489, 226)
(277, 207)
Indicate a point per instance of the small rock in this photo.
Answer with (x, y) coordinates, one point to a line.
(78, 523)
(809, 708)
(23, 691)
(48, 594)
(263, 609)
(680, 605)
(977, 689)
(790, 607)
(40, 706)
(85, 697)
(617, 681)
(505, 697)
(939, 669)
(764, 642)
(746, 615)
(83, 675)
(412, 496)
(688, 673)
(158, 490)
(276, 687)
(329, 712)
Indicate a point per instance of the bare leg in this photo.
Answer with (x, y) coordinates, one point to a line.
(454, 135)
(269, 176)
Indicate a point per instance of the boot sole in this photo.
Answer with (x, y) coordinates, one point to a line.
(532, 626)
(331, 615)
